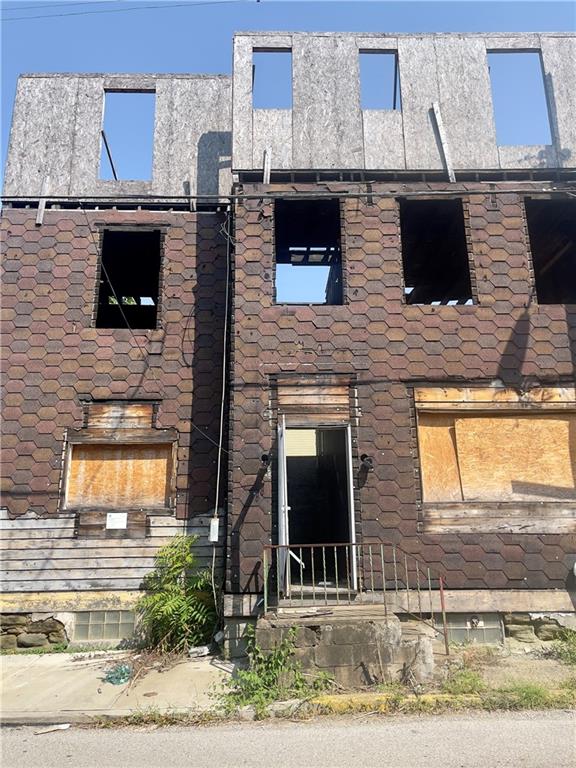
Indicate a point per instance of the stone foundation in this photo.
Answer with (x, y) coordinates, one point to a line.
(354, 652)
(24, 630)
(537, 627)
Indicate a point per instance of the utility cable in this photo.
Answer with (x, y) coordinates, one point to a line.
(126, 10)
(225, 230)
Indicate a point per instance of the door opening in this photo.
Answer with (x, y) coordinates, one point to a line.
(318, 505)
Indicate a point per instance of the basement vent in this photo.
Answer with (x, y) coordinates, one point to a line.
(103, 625)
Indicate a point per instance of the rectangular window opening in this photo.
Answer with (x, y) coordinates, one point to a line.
(308, 252)
(379, 80)
(127, 135)
(519, 98)
(434, 252)
(552, 232)
(272, 79)
(129, 279)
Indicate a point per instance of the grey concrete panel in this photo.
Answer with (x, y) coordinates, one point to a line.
(273, 130)
(56, 133)
(465, 102)
(559, 64)
(193, 120)
(242, 103)
(505, 42)
(419, 89)
(86, 148)
(18, 152)
(327, 120)
(42, 133)
(383, 140)
(377, 43)
(521, 157)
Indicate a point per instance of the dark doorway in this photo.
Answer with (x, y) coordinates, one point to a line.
(319, 510)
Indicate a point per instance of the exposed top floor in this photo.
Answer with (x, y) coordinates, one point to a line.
(205, 127)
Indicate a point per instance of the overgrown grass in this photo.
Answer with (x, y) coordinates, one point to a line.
(564, 648)
(271, 676)
(463, 681)
(56, 648)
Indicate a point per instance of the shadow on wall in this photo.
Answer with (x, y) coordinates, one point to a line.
(214, 156)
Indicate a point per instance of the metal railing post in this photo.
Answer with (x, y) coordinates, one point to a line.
(444, 622)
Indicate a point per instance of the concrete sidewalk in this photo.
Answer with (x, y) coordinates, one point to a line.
(68, 687)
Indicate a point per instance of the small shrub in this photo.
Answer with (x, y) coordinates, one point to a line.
(271, 676)
(463, 681)
(564, 648)
(178, 611)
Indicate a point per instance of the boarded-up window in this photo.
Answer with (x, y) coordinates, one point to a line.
(500, 456)
(119, 476)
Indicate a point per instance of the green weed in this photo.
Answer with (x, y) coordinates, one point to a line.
(271, 676)
(463, 681)
(564, 648)
(178, 611)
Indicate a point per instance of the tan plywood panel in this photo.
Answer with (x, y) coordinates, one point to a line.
(119, 476)
(442, 397)
(438, 457)
(517, 457)
(120, 415)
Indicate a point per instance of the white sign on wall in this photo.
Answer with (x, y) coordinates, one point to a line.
(116, 520)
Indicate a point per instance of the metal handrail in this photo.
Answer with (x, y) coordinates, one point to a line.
(309, 575)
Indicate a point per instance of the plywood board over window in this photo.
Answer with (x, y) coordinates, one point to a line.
(509, 464)
(119, 476)
(520, 457)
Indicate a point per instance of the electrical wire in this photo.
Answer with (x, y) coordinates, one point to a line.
(126, 10)
(40, 6)
(225, 230)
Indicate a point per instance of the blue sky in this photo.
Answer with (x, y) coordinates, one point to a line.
(197, 37)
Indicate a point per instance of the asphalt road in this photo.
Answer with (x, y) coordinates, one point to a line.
(500, 740)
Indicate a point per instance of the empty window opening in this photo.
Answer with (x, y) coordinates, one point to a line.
(272, 79)
(308, 252)
(519, 98)
(434, 252)
(129, 279)
(128, 135)
(379, 80)
(552, 232)
(318, 513)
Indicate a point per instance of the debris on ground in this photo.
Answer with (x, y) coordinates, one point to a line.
(118, 674)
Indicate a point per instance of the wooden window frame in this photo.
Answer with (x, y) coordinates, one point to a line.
(511, 516)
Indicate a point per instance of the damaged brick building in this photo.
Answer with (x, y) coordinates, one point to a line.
(385, 298)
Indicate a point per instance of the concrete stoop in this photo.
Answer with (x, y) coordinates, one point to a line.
(355, 651)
